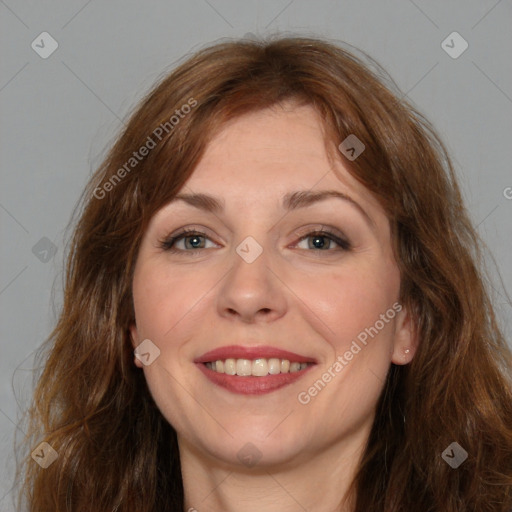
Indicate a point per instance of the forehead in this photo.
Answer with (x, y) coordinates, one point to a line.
(266, 153)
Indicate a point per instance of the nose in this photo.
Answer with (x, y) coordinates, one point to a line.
(251, 292)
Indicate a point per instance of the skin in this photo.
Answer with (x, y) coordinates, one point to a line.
(293, 296)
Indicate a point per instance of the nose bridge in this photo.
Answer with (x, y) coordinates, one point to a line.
(252, 260)
(250, 289)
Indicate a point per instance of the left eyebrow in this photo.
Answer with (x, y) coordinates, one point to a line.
(304, 198)
(291, 201)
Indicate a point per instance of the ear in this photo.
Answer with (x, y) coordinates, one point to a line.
(134, 339)
(406, 338)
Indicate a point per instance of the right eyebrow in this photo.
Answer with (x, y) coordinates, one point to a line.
(201, 201)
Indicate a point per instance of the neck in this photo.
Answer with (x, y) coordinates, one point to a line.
(314, 481)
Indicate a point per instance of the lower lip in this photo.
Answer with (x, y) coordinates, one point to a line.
(252, 385)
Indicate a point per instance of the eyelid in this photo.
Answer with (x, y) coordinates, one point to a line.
(303, 232)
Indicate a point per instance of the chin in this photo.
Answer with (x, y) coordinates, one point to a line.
(246, 445)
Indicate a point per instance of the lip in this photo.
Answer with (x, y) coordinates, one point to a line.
(252, 385)
(261, 352)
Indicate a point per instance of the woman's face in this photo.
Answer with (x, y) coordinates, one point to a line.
(284, 251)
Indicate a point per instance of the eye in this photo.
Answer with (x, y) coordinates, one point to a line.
(192, 240)
(186, 240)
(323, 240)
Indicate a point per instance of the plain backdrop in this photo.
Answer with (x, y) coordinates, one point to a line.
(59, 113)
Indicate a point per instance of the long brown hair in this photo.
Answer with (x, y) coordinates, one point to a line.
(116, 452)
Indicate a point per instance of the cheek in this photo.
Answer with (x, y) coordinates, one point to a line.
(166, 313)
(163, 298)
(350, 300)
(354, 306)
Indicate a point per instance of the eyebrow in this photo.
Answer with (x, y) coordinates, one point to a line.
(291, 201)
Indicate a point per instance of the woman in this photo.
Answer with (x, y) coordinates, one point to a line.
(274, 301)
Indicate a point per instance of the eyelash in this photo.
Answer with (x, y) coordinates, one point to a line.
(168, 244)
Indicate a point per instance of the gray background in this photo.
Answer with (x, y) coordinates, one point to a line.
(60, 113)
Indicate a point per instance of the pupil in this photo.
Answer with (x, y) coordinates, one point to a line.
(319, 242)
(195, 241)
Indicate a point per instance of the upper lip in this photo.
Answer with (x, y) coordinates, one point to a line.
(256, 352)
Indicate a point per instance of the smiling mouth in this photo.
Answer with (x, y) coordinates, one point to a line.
(253, 370)
(260, 367)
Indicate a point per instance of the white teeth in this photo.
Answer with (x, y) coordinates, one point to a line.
(274, 366)
(294, 367)
(230, 366)
(257, 368)
(243, 367)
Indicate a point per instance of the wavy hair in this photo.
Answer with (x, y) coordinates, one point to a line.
(116, 452)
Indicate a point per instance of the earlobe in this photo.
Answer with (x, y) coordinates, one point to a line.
(406, 338)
